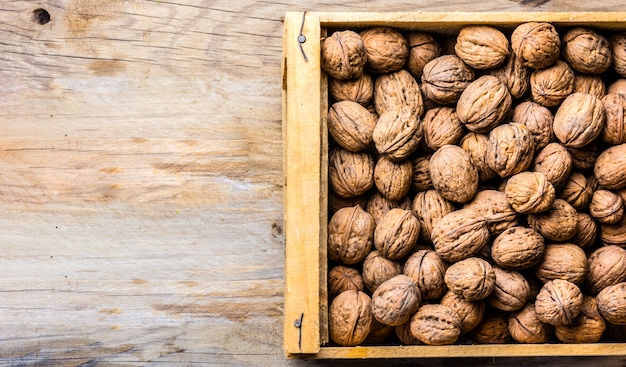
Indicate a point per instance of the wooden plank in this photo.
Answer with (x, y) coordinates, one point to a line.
(475, 351)
(303, 203)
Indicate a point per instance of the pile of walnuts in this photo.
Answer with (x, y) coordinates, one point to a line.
(477, 185)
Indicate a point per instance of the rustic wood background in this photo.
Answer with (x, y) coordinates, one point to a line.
(141, 181)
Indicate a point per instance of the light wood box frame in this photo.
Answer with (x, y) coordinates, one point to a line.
(305, 104)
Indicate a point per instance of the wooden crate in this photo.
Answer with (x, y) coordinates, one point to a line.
(305, 105)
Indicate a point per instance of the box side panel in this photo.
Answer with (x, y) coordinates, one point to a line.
(302, 152)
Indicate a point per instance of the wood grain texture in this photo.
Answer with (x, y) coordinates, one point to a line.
(141, 181)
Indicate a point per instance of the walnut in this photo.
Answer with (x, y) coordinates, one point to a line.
(397, 90)
(482, 47)
(538, 119)
(614, 128)
(445, 78)
(421, 173)
(558, 302)
(495, 208)
(493, 329)
(453, 174)
(613, 234)
(350, 174)
(435, 324)
(398, 133)
(509, 149)
(472, 278)
(612, 303)
(579, 120)
(563, 261)
(395, 300)
(350, 318)
(343, 55)
(422, 49)
(359, 90)
(342, 278)
(403, 332)
(586, 51)
(577, 191)
(429, 207)
(525, 326)
(514, 75)
(379, 333)
(350, 235)
(591, 84)
(484, 104)
(606, 207)
(442, 126)
(607, 266)
(378, 205)
(518, 248)
(610, 167)
(377, 269)
(587, 327)
(351, 125)
(555, 162)
(393, 179)
(396, 234)
(387, 49)
(537, 44)
(427, 269)
(336, 202)
(530, 192)
(618, 52)
(460, 234)
(550, 86)
(586, 231)
(470, 312)
(510, 292)
(556, 224)
(584, 158)
(476, 146)
(618, 86)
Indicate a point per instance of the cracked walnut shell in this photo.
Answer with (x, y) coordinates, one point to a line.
(482, 47)
(343, 55)
(350, 318)
(350, 235)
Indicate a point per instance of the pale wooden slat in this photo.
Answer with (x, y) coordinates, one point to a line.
(303, 202)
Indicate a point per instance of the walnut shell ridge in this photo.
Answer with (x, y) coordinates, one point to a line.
(537, 44)
(343, 55)
(350, 235)
(482, 47)
(351, 125)
(453, 174)
(350, 318)
(460, 234)
(396, 300)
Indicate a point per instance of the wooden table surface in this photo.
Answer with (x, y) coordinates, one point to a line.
(141, 181)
